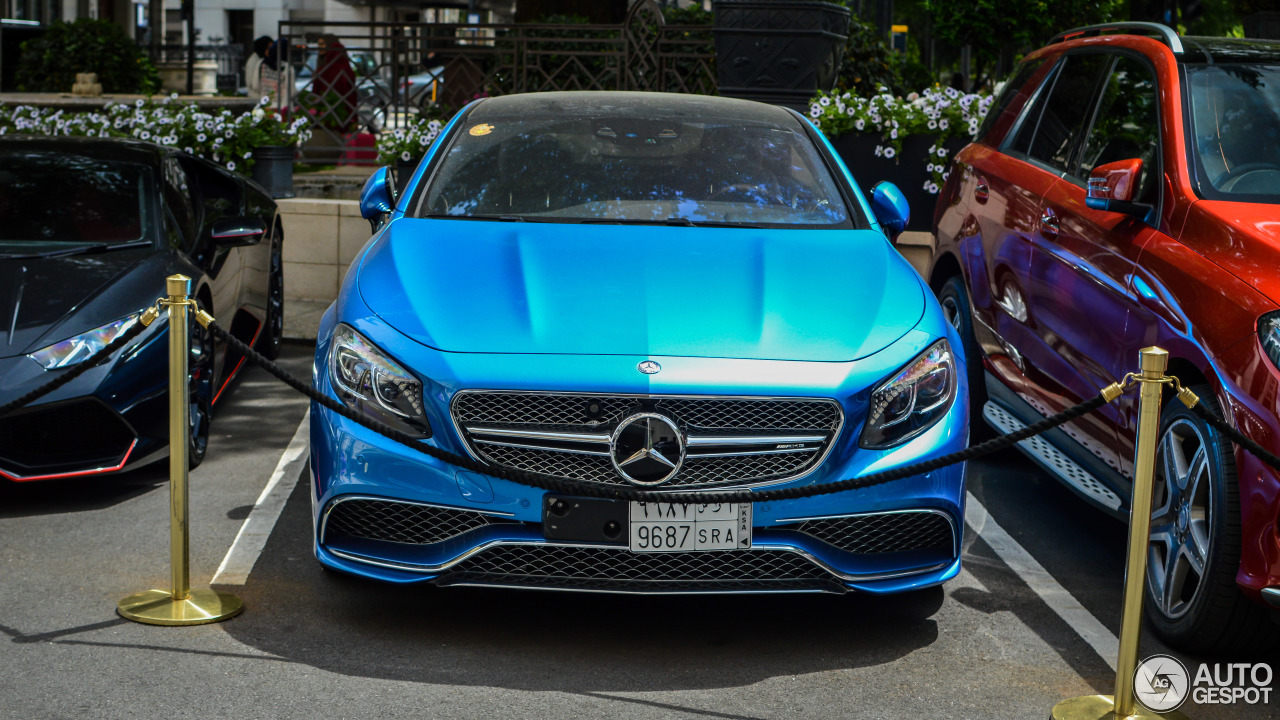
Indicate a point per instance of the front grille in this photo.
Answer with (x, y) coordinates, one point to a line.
(600, 414)
(62, 437)
(602, 568)
(400, 522)
(881, 532)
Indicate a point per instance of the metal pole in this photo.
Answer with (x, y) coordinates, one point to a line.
(1152, 363)
(180, 605)
(179, 286)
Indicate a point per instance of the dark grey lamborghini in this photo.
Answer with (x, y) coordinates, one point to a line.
(89, 229)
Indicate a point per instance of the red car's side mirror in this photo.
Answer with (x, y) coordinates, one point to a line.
(1112, 187)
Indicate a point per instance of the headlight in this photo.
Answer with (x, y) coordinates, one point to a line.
(912, 400)
(369, 381)
(76, 350)
(1269, 334)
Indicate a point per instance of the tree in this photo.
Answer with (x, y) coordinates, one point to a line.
(1011, 27)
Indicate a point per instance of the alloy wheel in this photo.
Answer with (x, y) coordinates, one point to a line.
(1180, 519)
(951, 311)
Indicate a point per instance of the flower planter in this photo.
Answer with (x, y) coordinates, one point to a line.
(908, 168)
(273, 170)
(778, 51)
(404, 171)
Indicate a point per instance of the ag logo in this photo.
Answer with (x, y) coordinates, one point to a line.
(1161, 683)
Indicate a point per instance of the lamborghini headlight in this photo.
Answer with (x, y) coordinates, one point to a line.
(369, 381)
(913, 399)
(73, 351)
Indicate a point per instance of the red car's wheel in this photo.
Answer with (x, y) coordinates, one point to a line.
(1192, 598)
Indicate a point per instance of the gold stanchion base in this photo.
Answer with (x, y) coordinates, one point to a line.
(1102, 707)
(157, 607)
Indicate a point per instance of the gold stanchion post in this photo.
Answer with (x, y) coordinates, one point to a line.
(1122, 705)
(181, 605)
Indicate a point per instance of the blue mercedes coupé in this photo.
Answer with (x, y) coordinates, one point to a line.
(640, 290)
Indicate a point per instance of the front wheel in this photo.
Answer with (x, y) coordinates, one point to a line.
(1194, 552)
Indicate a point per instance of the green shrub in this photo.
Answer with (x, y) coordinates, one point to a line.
(50, 63)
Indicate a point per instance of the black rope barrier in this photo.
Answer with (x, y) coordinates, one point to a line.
(74, 371)
(567, 486)
(1236, 436)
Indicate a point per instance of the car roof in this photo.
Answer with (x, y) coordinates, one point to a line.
(1209, 50)
(106, 148)
(632, 104)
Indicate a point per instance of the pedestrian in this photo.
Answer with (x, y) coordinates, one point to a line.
(335, 84)
(253, 66)
(277, 76)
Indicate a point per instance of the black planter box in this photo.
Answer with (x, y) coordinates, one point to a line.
(907, 169)
(777, 51)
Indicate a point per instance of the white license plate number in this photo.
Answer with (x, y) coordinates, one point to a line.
(689, 527)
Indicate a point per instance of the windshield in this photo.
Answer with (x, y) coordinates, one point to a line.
(615, 166)
(58, 199)
(1235, 116)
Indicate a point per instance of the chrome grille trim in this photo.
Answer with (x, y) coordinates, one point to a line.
(543, 431)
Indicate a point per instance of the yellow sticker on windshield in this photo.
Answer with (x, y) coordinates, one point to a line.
(481, 129)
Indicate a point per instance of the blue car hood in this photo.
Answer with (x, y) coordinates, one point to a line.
(504, 287)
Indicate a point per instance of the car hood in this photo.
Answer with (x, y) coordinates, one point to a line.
(37, 294)
(1243, 238)
(500, 287)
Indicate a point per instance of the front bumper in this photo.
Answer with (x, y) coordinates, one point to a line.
(509, 549)
(113, 417)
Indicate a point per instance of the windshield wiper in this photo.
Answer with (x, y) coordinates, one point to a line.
(495, 218)
(81, 250)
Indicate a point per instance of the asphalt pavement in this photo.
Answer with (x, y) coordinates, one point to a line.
(317, 644)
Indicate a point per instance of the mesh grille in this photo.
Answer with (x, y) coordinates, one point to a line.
(403, 522)
(604, 568)
(703, 415)
(882, 533)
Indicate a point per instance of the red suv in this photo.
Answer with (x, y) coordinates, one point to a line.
(1124, 192)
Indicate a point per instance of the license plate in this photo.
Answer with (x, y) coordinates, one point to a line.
(685, 527)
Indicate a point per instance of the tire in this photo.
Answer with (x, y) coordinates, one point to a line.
(273, 333)
(200, 393)
(954, 298)
(1195, 520)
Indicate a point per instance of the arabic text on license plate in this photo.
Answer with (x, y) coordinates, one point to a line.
(683, 527)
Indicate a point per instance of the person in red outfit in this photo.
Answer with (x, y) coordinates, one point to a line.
(334, 74)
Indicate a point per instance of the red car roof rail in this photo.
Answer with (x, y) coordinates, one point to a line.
(1163, 33)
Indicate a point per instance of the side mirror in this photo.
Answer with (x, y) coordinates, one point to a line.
(237, 231)
(891, 208)
(378, 197)
(1112, 187)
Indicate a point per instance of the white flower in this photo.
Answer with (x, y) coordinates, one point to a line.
(424, 140)
(942, 152)
(850, 111)
(145, 135)
(258, 114)
(201, 137)
(405, 156)
(860, 124)
(932, 187)
(933, 124)
(248, 155)
(231, 164)
(815, 111)
(893, 133)
(187, 150)
(929, 168)
(912, 97)
(942, 124)
(824, 101)
(263, 102)
(138, 103)
(889, 152)
(879, 151)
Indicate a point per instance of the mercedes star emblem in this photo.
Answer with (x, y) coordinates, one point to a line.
(647, 449)
(648, 367)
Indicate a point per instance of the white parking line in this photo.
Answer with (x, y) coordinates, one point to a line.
(1041, 582)
(253, 534)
